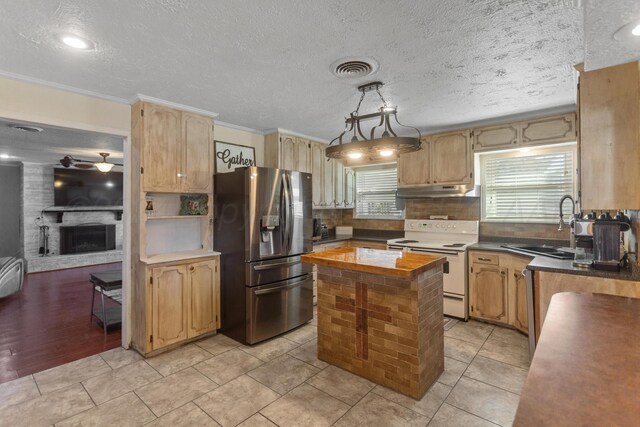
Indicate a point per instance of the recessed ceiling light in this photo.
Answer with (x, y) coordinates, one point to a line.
(77, 42)
(5, 156)
(628, 32)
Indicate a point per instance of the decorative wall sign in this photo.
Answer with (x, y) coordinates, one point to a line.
(231, 156)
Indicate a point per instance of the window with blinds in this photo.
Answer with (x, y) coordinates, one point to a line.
(376, 193)
(526, 187)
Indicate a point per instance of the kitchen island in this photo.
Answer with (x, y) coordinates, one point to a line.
(380, 315)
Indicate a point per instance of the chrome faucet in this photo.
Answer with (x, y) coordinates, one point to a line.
(573, 210)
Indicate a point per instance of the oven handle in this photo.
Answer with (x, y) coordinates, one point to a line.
(395, 248)
(434, 251)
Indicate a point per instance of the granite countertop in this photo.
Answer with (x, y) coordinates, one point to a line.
(404, 265)
(585, 369)
(333, 238)
(564, 266)
(363, 234)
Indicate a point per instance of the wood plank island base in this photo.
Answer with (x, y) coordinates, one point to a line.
(380, 316)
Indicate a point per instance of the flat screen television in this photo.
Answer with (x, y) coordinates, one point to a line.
(77, 187)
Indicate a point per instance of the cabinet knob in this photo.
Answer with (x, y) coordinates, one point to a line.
(192, 268)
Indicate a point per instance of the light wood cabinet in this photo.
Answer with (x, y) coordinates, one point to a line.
(176, 150)
(496, 137)
(610, 138)
(197, 138)
(518, 316)
(339, 184)
(452, 158)
(528, 133)
(349, 188)
(317, 175)
(549, 130)
(161, 148)
(497, 288)
(443, 159)
(288, 153)
(170, 305)
(203, 298)
(488, 291)
(328, 183)
(176, 302)
(302, 150)
(414, 169)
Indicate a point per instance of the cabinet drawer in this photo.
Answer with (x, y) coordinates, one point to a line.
(484, 258)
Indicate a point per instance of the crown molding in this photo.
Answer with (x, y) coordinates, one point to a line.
(238, 127)
(170, 104)
(59, 86)
(292, 133)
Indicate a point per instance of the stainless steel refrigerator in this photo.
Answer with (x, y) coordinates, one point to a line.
(262, 225)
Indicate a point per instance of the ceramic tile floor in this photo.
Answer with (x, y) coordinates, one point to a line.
(217, 381)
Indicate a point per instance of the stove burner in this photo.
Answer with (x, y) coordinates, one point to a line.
(454, 245)
(407, 241)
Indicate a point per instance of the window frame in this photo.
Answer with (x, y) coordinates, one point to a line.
(529, 151)
(378, 166)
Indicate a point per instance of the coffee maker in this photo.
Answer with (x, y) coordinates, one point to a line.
(583, 236)
(608, 252)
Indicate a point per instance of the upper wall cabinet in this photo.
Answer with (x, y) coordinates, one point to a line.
(443, 159)
(452, 158)
(288, 152)
(414, 169)
(496, 137)
(546, 130)
(609, 145)
(176, 150)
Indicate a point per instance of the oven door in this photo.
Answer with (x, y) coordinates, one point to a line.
(454, 281)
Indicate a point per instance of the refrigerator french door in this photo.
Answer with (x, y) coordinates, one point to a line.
(263, 224)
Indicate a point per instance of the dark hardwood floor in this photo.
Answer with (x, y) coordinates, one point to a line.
(48, 323)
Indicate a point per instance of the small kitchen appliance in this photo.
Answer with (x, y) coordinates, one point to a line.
(608, 252)
(583, 237)
(449, 238)
(317, 229)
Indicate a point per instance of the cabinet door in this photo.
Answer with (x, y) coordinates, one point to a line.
(495, 137)
(328, 183)
(519, 287)
(549, 130)
(161, 149)
(414, 168)
(451, 158)
(196, 168)
(338, 184)
(349, 188)
(302, 155)
(317, 174)
(170, 305)
(488, 292)
(203, 298)
(288, 153)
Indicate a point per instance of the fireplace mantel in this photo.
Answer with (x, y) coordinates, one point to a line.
(60, 210)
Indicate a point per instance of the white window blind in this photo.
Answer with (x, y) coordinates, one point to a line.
(526, 187)
(376, 192)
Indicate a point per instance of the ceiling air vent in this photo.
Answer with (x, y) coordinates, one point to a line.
(350, 68)
(26, 128)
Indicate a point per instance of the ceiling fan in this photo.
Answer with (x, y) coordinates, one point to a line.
(103, 165)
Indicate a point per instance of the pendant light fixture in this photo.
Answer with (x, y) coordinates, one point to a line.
(103, 166)
(384, 145)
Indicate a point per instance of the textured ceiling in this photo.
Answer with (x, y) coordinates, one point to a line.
(265, 64)
(602, 19)
(52, 144)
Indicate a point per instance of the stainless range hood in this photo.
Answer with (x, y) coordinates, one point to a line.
(434, 191)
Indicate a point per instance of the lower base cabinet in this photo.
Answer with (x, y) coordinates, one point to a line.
(180, 301)
(497, 289)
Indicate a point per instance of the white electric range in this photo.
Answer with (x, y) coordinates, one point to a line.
(448, 238)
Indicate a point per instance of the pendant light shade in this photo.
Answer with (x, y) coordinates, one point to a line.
(104, 166)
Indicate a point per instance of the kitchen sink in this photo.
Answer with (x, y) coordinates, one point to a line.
(550, 251)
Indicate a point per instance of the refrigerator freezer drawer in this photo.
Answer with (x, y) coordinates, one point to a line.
(276, 270)
(279, 307)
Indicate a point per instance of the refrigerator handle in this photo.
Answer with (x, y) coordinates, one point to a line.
(290, 213)
(285, 212)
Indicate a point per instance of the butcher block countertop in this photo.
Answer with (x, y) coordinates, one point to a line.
(586, 369)
(386, 263)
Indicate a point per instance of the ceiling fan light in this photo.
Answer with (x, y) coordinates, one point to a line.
(104, 166)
